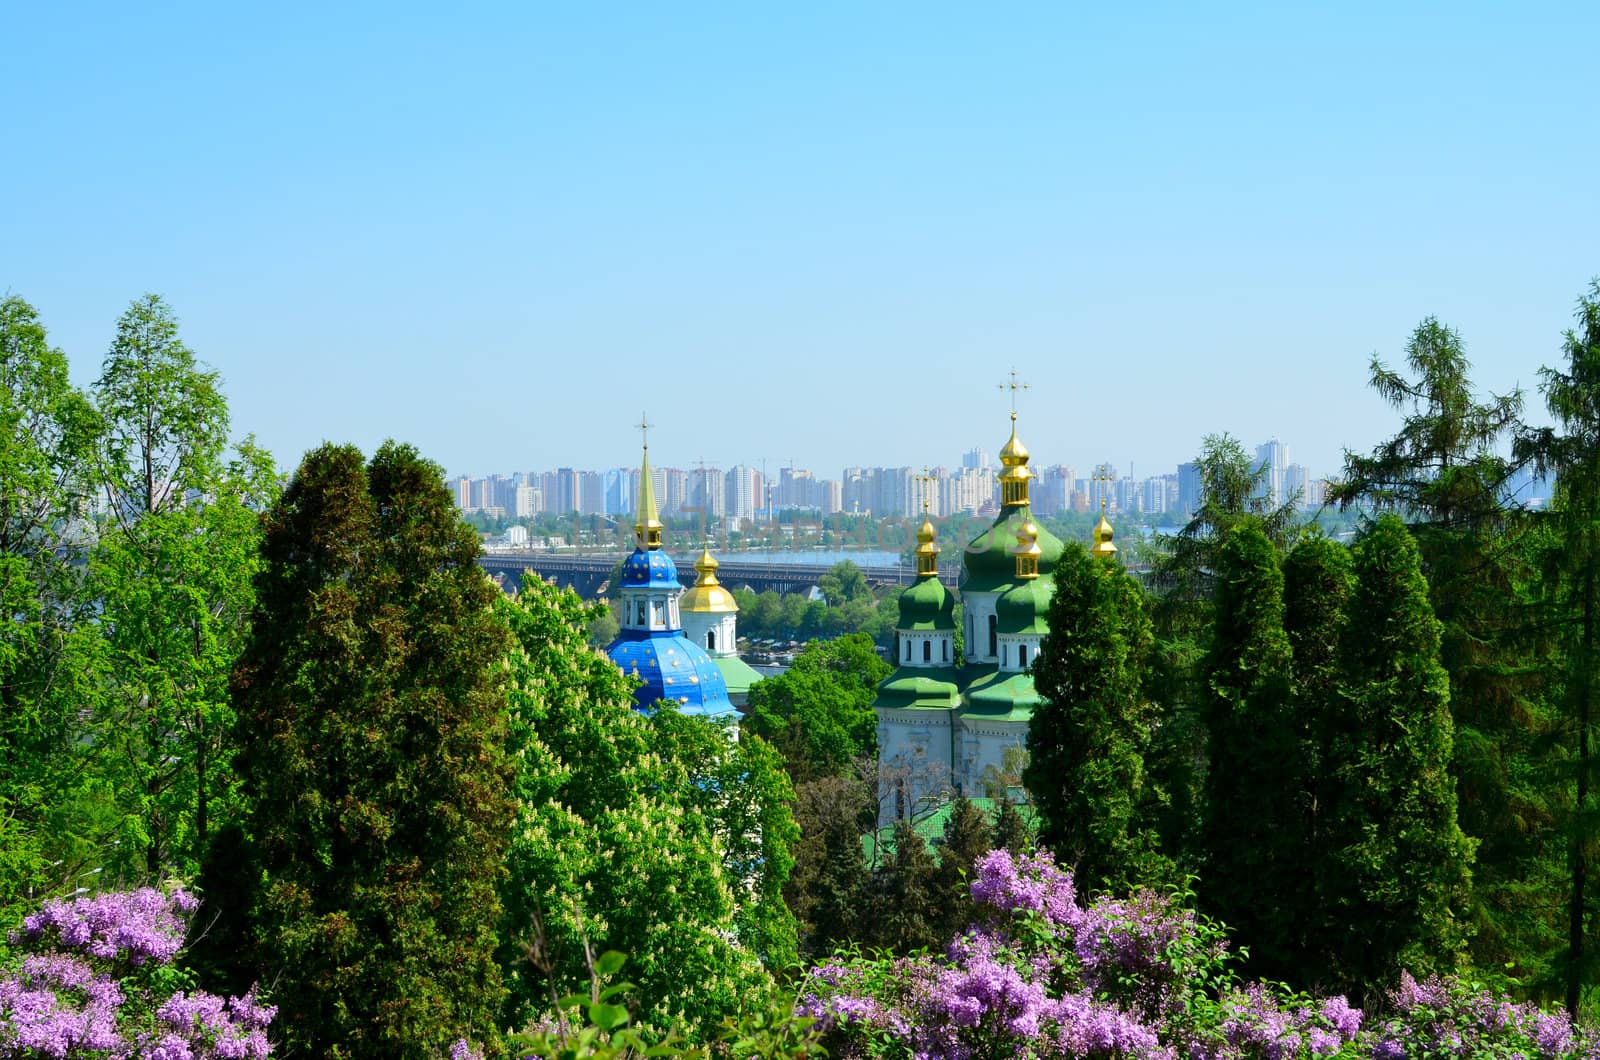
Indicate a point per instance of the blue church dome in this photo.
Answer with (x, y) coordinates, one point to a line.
(673, 668)
(652, 568)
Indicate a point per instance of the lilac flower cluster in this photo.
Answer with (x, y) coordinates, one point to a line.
(87, 986)
(136, 926)
(1138, 978)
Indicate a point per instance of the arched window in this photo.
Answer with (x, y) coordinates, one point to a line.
(994, 635)
(1022, 656)
(641, 618)
(908, 649)
(946, 644)
(659, 612)
(711, 640)
(927, 651)
(1005, 653)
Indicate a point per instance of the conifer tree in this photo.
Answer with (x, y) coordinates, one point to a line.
(1011, 830)
(1254, 838)
(1087, 742)
(1573, 455)
(907, 913)
(48, 662)
(371, 729)
(1398, 877)
(1445, 473)
(1316, 591)
(967, 837)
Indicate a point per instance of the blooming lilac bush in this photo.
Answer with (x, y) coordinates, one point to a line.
(96, 979)
(1138, 978)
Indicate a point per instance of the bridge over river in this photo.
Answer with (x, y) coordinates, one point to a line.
(588, 574)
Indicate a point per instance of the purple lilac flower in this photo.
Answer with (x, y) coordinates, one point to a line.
(138, 926)
(232, 1028)
(465, 1050)
(1032, 883)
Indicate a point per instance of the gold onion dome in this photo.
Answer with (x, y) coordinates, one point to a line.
(1102, 538)
(707, 595)
(1027, 550)
(1014, 453)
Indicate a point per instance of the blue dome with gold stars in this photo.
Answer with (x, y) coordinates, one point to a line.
(652, 568)
(672, 668)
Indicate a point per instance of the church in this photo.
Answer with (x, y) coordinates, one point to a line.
(941, 725)
(679, 645)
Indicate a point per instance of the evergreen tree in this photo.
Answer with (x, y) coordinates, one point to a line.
(1011, 831)
(1254, 837)
(371, 729)
(1445, 474)
(967, 837)
(906, 912)
(827, 884)
(1316, 591)
(1087, 742)
(1573, 455)
(1398, 874)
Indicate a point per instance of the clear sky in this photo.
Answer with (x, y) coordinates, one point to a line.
(813, 231)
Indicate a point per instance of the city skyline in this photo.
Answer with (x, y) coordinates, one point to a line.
(831, 229)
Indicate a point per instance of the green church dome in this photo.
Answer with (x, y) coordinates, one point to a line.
(990, 563)
(927, 604)
(1002, 697)
(1024, 608)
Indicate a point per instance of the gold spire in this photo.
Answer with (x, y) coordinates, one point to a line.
(927, 549)
(647, 531)
(1027, 550)
(1014, 479)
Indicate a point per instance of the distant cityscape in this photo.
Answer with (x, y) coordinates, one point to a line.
(743, 492)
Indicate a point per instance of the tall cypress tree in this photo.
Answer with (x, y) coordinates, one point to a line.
(1254, 823)
(1087, 742)
(966, 839)
(1398, 876)
(371, 726)
(1317, 583)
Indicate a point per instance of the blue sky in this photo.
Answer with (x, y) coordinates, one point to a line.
(821, 232)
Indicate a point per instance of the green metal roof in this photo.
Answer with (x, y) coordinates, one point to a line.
(911, 687)
(931, 824)
(736, 673)
(1002, 697)
(989, 565)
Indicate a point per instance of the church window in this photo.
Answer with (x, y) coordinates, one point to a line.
(1022, 656)
(711, 640)
(927, 651)
(641, 618)
(659, 612)
(946, 644)
(908, 649)
(994, 635)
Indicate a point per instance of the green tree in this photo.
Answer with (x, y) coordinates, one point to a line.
(1011, 831)
(967, 837)
(1087, 742)
(1444, 472)
(613, 849)
(171, 575)
(844, 584)
(828, 887)
(818, 713)
(1316, 593)
(907, 911)
(739, 784)
(48, 658)
(1399, 875)
(1573, 455)
(371, 729)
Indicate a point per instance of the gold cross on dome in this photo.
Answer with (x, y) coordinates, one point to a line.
(1103, 473)
(926, 479)
(1014, 386)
